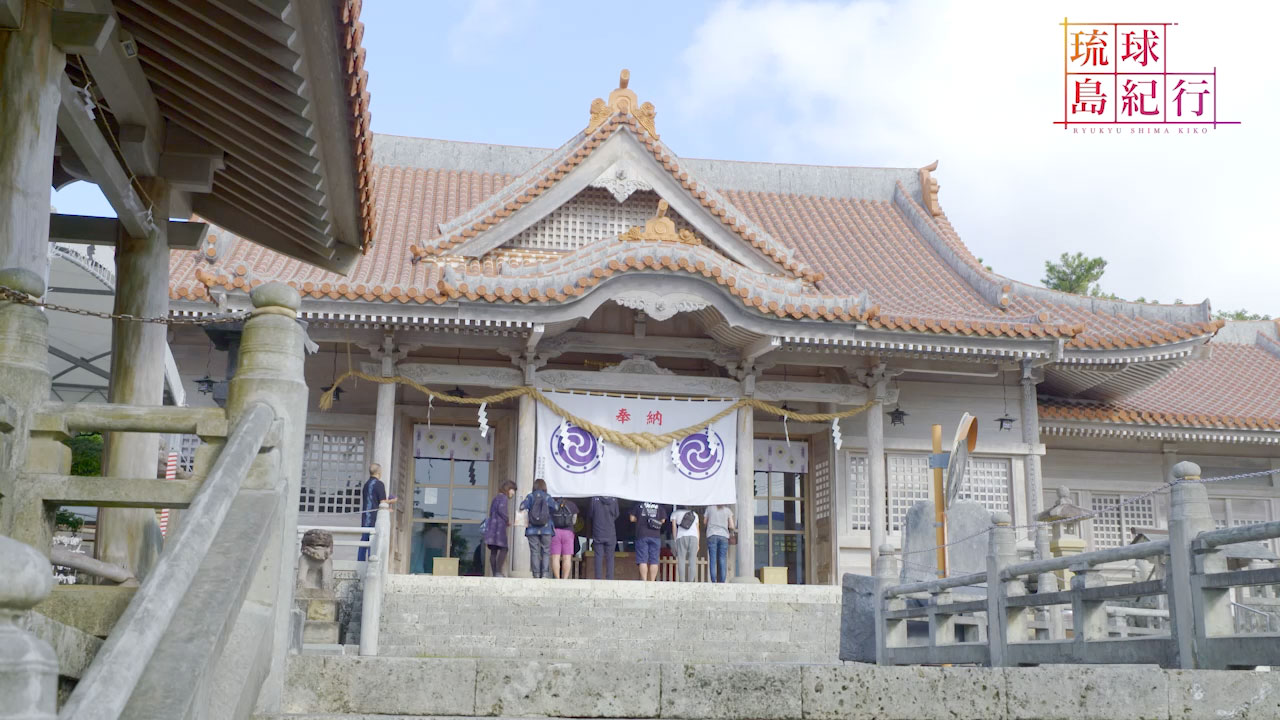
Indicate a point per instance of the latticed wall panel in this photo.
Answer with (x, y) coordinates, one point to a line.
(989, 482)
(909, 482)
(591, 216)
(334, 464)
(1114, 522)
(821, 487)
(859, 499)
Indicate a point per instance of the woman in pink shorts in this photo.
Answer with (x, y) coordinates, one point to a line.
(564, 513)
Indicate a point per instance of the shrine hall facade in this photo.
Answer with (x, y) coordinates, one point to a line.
(610, 265)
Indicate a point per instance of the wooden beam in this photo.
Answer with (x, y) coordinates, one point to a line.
(619, 344)
(760, 347)
(82, 33)
(76, 121)
(89, 230)
(82, 363)
(118, 74)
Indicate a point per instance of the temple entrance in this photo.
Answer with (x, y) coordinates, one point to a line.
(781, 523)
(451, 478)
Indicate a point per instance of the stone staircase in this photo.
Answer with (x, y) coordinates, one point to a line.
(590, 621)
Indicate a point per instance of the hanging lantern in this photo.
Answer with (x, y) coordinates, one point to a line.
(898, 416)
(204, 384)
(1005, 422)
(337, 391)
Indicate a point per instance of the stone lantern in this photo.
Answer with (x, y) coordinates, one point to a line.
(1065, 538)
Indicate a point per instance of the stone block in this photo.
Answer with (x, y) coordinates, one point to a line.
(858, 619)
(773, 575)
(1218, 694)
(731, 692)
(918, 536)
(585, 689)
(380, 685)
(321, 609)
(93, 609)
(320, 633)
(873, 692)
(1087, 692)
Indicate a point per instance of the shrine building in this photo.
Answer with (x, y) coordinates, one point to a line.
(612, 267)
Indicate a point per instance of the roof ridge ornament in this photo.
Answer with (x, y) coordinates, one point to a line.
(623, 100)
(929, 189)
(660, 228)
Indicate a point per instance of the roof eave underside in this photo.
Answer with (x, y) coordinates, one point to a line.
(279, 88)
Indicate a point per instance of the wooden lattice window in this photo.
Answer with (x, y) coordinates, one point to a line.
(334, 466)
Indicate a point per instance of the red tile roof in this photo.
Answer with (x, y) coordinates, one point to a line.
(1237, 387)
(878, 247)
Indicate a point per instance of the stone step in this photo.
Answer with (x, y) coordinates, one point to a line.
(362, 688)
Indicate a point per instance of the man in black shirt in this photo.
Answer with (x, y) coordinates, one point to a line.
(372, 494)
(649, 518)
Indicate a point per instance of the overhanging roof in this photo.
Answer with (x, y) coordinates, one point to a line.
(278, 86)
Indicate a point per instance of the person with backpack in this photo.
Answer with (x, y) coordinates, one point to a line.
(604, 534)
(684, 522)
(649, 519)
(538, 529)
(564, 514)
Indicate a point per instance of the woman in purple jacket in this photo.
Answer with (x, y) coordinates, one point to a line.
(495, 530)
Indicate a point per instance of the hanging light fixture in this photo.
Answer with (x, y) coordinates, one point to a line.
(898, 416)
(204, 384)
(1004, 422)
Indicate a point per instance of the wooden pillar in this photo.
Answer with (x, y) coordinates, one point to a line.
(30, 68)
(526, 459)
(130, 536)
(1031, 461)
(384, 422)
(745, 555)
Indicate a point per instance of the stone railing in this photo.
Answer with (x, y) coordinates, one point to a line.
(375, 575)
(169, 647)
(985, 618)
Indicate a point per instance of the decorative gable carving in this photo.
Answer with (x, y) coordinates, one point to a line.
(621, 180)
(638, 365)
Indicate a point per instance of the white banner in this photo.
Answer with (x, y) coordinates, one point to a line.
(698, 470)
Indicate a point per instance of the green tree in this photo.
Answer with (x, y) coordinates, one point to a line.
(1240, 314)
(86, 454)
(1074, 273)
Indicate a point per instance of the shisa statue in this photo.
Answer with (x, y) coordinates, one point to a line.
(315, 566)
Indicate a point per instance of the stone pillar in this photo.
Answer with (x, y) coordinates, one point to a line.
(526, 458)
(130, 537)
(745, 555)
(270, 369)
(30, 68)
(876, 514)
(24, 384)
(384, 424)
(1029, 409)
(1189, 515)
(28, 666)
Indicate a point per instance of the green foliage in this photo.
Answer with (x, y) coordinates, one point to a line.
(1075, 273)
(86, 454)
(985, 265)
(1240, 314)
(69, 520)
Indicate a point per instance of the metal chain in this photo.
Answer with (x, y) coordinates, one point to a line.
(18, 296)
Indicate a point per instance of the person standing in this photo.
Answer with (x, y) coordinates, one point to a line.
(372, 494)
(604, 534)
(720, 524)
(649, 519)
(564, 514)
(495, 529)
(685, 525)
(538, 529)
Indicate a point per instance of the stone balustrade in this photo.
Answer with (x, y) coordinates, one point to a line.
(987, 618)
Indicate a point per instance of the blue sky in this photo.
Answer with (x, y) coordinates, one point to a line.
(973, 84)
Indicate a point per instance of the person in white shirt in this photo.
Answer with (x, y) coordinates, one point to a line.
(685, 523)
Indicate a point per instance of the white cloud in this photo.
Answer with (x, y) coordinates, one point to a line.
(978, 86)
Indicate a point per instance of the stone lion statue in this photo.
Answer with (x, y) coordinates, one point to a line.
(315, 566)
